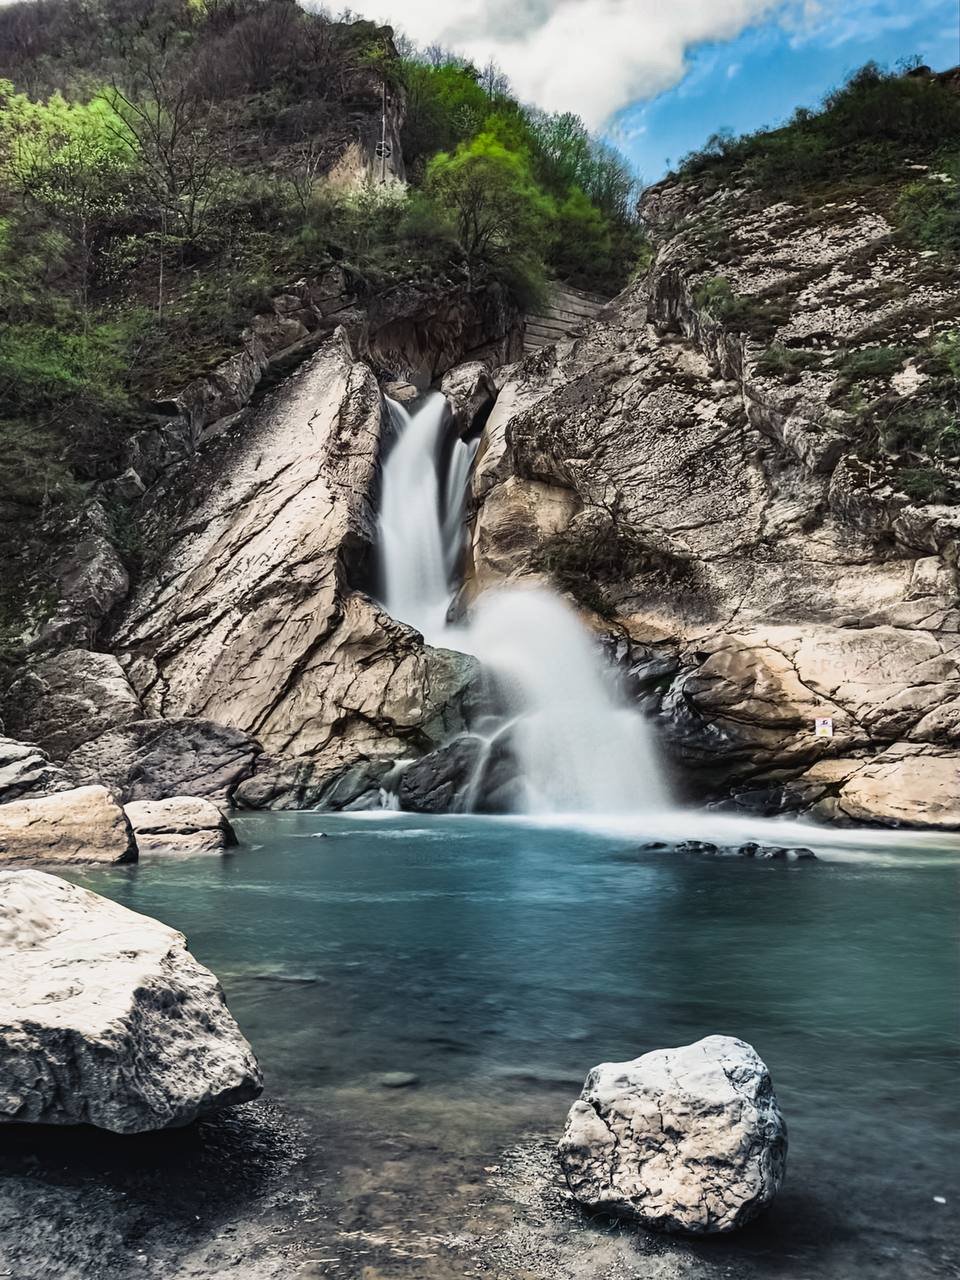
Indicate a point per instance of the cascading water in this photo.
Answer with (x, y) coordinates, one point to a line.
(579, 749)
(421, 515)
(577, 746)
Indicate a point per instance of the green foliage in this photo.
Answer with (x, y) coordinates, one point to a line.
(786, 363)
(925, 484)
(871, 362)
(500, 214)
(758, 316)
(928, 211)
(870, 126)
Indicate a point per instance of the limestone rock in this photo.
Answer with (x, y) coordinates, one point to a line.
(180, 824)
(302, 783)
(909, 785)
(82, 825)
(25, 771)
(788, 578)
(253, 620)
(105, 1017)
(686, 1140)
(155, 759)
(471, 391)
(69, 698)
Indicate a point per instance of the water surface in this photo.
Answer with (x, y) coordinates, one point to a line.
(499, 960)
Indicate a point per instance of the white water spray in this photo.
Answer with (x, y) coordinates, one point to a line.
(578, 747)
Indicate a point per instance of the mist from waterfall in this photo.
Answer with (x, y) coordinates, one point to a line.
(578, 747)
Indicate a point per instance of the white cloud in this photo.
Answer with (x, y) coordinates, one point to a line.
(588, 56)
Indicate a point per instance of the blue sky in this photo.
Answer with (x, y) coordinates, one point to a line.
(757, 78)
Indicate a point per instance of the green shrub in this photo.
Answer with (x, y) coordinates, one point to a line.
(871, 362)
(928, 212)
(925, 484)
(869, 126)
(786, 362)
(758, 316)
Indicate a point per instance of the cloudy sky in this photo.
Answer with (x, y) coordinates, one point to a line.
(660, 75)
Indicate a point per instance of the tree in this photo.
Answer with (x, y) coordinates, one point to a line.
(498, 209)
(68, 160)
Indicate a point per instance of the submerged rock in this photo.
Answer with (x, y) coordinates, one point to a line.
(749, 850)
(181, 824)
(84, 824)
(106, 1018)
(688, 1139)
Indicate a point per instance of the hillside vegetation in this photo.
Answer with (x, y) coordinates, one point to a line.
(163, 171)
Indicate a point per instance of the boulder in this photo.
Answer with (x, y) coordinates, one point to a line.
(302, 783)
(468, 774)
(107, 1019)
(688, 1139)
(154, 759)
(25, 771)
(471, 391)
(68, 699)
(180, 824)
(82, 825)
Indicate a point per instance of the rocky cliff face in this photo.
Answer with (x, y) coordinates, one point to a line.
(698, 477)
(254, 620)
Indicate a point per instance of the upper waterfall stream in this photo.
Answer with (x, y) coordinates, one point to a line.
(577, 746)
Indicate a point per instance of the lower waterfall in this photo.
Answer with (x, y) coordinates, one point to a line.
(578, 747)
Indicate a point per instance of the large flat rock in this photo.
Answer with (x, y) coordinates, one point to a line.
(84, 824)
(106, 1018)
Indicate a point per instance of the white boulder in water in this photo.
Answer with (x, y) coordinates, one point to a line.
(106, 1018)
(688, 1139)
(179, 824)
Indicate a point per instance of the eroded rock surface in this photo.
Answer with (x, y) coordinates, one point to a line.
(179, 824)
(687, 1139)
(105, 1017)
(254, 622)
(84, 824)
(709, 503)
(69, 698)
(156, 759)
(26, 771)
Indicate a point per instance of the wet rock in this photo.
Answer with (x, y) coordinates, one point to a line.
(26, 771)
(180, 824)
(68, 699)
(108, 1020)
(441, 781)
(81, 825)
(310, 784)
(155, 759)
(748, 850)
(684, 1140)
(469, 773)
(398, 1079)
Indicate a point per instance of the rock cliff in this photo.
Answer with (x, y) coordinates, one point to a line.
(704, 480)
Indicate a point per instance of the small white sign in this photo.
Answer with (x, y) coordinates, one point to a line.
(823, 727)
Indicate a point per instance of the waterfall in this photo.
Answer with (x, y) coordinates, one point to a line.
(420, 527)
(578, 747)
